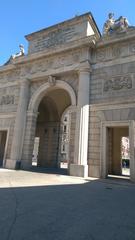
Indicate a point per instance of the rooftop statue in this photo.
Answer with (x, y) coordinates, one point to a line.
(111, 25)
(19, 54)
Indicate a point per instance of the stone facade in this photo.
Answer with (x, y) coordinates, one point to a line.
(69, 66)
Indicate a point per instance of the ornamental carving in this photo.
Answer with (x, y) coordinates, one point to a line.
(101, 55)
(116, 51)
(7, 100)
(118, 83)
(51, 81)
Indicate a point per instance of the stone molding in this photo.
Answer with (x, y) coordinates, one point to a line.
(32, 114)
(112, 105)
(84, 67)
(103, 42)
(43, 89)
(83, 42)
(9, 115)
(112, 62)
(10, 84)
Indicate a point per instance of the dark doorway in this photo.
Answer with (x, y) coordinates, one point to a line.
(3, 137)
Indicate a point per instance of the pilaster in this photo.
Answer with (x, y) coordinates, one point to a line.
(80, 167)
(19, 128)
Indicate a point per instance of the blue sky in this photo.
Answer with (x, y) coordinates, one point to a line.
(19, 18)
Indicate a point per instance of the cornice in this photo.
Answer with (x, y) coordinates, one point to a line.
(129, 103)
(116, 38)
(82, 42)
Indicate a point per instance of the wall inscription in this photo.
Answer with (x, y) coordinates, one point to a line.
(118, 83)
(57, 37)
(7, 100)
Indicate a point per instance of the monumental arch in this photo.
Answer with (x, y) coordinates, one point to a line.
(74, 92)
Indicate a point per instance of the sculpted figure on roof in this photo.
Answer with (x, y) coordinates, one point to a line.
(19, 54)
(111, 25)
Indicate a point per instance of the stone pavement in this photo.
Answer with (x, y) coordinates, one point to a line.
(45, 206)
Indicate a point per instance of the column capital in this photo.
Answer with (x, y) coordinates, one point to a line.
(24, 81)
(32, 114)
(85, 67)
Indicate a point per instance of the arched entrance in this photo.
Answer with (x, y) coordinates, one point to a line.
(48, 130)
(45, 112)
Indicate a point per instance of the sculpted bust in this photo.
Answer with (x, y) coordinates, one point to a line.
(111, 25)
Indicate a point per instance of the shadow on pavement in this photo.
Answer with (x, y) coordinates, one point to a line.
(90, 211)
(58, 171)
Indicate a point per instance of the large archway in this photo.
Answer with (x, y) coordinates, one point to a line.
(46, 108)
(48, 128)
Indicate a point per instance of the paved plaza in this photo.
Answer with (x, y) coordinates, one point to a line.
(45, 206)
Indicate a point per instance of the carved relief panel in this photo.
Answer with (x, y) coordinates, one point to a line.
(118, 83)
(9, 98)
(49, 64)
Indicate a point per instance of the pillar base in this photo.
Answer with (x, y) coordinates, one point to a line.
(12, 164)
(78, 170)
(94, 171)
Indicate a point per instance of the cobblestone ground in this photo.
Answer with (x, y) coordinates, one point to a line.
(45, 206)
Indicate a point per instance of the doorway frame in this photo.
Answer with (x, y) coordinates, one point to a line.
(104, 147)
(2, 129)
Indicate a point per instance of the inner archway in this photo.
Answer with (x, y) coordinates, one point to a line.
(46, 151)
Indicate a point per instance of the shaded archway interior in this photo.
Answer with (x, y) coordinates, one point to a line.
(114, 153)
(50, 111)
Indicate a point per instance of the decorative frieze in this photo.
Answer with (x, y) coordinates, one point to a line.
(7, 100)
(118, 83)
(132, 47)
(101, 55)
(115, 51)
(53, 63)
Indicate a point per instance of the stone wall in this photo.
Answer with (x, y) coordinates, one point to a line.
(112, 89)
(112, 83)
(113, 72)
(94, 145)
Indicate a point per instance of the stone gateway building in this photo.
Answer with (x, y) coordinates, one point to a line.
(73, 95)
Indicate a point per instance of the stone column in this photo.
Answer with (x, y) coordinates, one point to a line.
(132, 150)
(80, 167)
(29, 138)
(19, 129)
